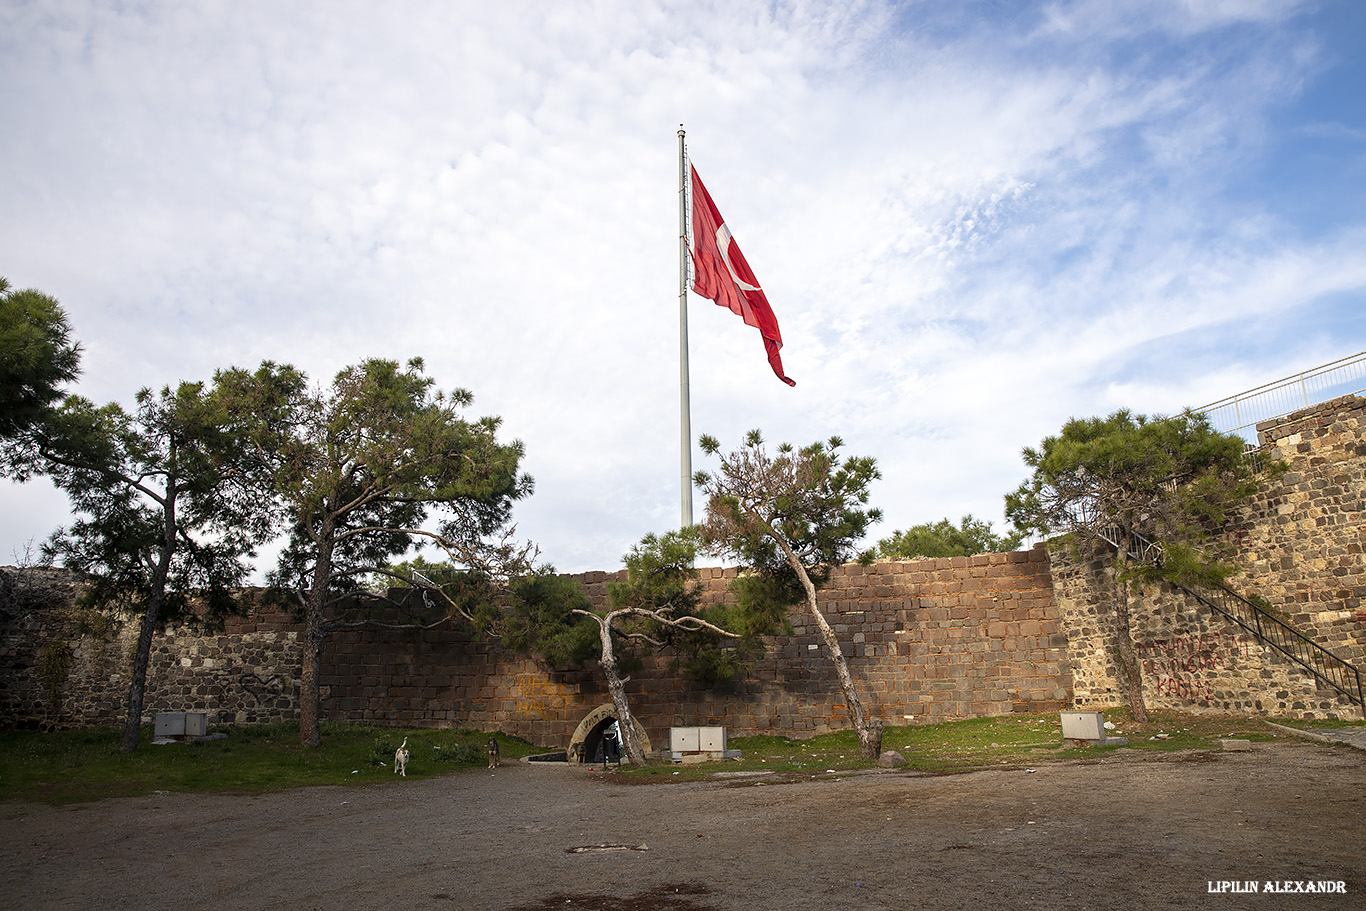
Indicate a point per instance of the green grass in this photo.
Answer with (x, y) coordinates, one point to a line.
(976, 743)
(73, 766)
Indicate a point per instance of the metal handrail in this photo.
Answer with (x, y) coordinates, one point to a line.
(1284, 638)
(1239, 414)
(1268, 628)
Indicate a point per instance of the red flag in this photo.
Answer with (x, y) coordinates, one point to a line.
(720, 273)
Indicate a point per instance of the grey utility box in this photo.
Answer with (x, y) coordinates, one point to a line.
(1083, 726)
(181, 725)
(1088, 727)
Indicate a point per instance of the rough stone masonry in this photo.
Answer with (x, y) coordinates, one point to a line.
(928, 640)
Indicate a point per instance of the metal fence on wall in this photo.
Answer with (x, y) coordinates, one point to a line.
(1239, 414)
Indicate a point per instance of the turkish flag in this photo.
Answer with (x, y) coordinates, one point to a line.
(720, 273)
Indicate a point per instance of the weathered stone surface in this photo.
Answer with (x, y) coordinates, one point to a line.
(891, 759)
(928, 640)
(1311, 573)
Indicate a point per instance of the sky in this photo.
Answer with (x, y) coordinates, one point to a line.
(973, 220)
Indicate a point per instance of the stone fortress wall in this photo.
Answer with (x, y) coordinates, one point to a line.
(928, 640)
(1299, 545)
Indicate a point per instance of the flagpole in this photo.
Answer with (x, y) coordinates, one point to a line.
(684, 418)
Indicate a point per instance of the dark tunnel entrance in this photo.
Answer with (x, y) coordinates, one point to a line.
(603, 743)
(599, 732)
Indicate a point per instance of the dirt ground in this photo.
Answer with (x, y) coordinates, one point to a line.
(1131, 830)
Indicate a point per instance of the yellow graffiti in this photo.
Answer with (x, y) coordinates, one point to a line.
(538, 698)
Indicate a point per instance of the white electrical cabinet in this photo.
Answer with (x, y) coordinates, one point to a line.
(1083, 726)
(180, 725)
(699, 744)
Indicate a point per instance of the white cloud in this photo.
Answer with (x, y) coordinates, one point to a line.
(971, 228)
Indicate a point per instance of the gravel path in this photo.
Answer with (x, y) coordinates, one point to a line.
(1132, 830)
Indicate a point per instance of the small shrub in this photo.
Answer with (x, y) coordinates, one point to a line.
(465, 753)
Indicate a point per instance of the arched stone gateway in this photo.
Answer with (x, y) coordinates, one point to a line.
(590, 730)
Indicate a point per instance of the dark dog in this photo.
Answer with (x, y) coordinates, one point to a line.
(493, 752)
(576, 753)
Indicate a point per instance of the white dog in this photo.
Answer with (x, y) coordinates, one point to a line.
(401, 759)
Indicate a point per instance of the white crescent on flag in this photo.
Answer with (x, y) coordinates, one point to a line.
(723, 239)
(721, 274)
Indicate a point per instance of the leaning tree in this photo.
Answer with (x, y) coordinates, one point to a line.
(789, 518)
(166, 512)
(163, 513)
(657, 608)
(1129, 479)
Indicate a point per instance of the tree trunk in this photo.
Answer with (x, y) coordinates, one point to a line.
(869, 731)
(315, 631)
(616, 688)
(310, 692)
(137, 688)
(1128, 657)
(156, 596)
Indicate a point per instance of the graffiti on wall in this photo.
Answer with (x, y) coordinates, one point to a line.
(260, 691)
(1176, 667)
(536, 698)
